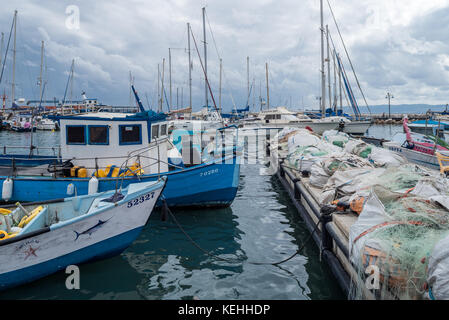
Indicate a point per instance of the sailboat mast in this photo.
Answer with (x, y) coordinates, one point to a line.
(190, 69)
(339, 81)
(247, 76)
(219, 92)
(335, 83)
(158, 88)
(1, 48)
(328, 67)
(268, 90)
(130, 90)
(254, 93)
(169, 73)
(14, 61)
(162, 84)
(323, 75)
(205, 56)
(71, 81)
(40, 74)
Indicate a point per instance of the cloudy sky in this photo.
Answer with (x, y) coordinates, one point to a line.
(395, 45)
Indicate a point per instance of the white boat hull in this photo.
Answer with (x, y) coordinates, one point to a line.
(105, 233)
(357, 127)
(427, 160)
(317, 127)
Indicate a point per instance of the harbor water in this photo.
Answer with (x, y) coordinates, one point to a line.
(261, 225)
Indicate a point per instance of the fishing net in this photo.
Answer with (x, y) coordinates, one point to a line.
(396, 233)
(335, 137)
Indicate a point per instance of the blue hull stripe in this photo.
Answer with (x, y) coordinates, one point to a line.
(181, 189)
(104, 249)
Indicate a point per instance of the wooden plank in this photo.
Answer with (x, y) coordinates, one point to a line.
(343, 222)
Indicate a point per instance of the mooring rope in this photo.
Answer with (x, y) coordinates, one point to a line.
(167, 209)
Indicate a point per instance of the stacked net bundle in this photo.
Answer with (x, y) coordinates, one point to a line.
(395, 233)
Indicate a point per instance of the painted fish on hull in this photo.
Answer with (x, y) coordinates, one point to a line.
(91, 229)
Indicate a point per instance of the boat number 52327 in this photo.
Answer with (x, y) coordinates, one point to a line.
(141, 199)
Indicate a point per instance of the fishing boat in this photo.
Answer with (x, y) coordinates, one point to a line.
(416, 147)
(39, 239)
(99, 148)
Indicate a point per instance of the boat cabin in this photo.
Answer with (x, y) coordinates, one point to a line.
(97, 140)
(281, 115)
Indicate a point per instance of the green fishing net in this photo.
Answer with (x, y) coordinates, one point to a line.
(400, 246)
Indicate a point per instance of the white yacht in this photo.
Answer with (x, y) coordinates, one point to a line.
(281, 117)
(358, 127)
(46, 124)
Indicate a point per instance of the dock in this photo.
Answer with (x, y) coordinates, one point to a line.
(330, 231)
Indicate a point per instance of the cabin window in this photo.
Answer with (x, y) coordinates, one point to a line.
(163, 130)
(76, 134)
(130, 134)
(98, 135)
(155, 132)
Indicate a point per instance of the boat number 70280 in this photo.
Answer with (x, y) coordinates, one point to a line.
(208, 173)
(141, 199)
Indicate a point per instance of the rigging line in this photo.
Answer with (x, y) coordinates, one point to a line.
(350, 93)
(165, 207)
(207, 80)
(7, 47)
(219, 57)
(165, 95)
(347, 54)
(340, 67)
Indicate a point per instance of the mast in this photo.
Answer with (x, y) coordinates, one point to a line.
(14, 61)
(205, 56)
(130, 90)
(268, 90)
(40, 74)
(190, 69)
(177, 98)
(323, 75)
(1, 48)
(158, 88)
(71, 81)
(254, 93)
(219, 91)
(339, 81)
(328, 67)
(335, 83)
(247, 77)
(162, 84)
(169, 73)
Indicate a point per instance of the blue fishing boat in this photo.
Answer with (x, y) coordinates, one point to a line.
(100, 150)
(39, 239)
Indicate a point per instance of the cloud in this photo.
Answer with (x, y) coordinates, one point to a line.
(396, 47)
